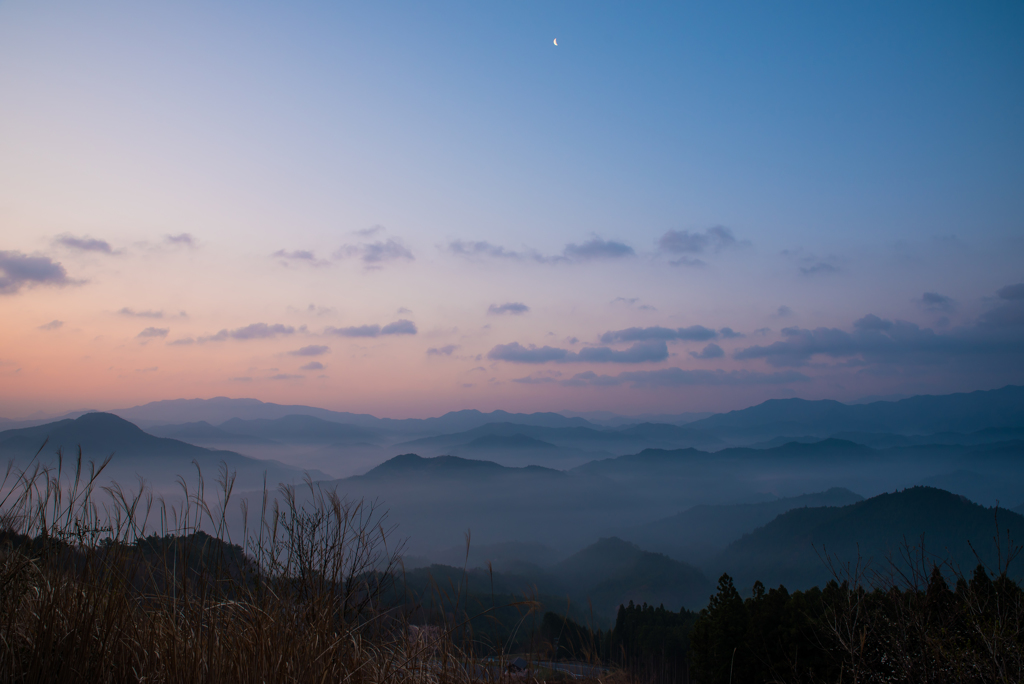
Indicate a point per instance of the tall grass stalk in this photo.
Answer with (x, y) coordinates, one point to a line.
(104, 584)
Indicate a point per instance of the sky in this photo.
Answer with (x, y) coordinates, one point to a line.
(410, 208)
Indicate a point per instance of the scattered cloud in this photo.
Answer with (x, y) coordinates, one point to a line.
(598, 249)
(52, 325)
(183, 342)
(687, 243)
(729, 334)
(514, 308)
(311, 350)
(783, 312)
(542, 377)
(641, 352)
(142, 314)
(697, 333)
(517, 353)
(153, 332)
(485, 249)
(1012, 292)
(711, 351)
(997, 337)
(1009, 313)
(286, 376)
(256, 331)
(313, 365)
(375, 254)
(182, 240)
(244, 378)
(677, 377)
(369, 232)
(399, 327)
(591, 250)
(355, 331)
(84, 244)
(297, 256)
(632, 303)
(811, 265)
(536, 380)
(442, 351)
(18, 270)
(933, 301)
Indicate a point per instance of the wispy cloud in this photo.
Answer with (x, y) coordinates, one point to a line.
(141, 314)
(376, 254)
(641, 352)
(311, 350)
(484, 249)
(255, 331)
(687, 244)
(153, 332)
(933, 301)
(632, 302)
(300, 256)
(84, 244)
(181, 240)
(696, 333)
(399, 327)
(446, 350)
(594, 249)
(514, 308)
(52, 325)
(598, 249)
(313, 365)
(677, 377)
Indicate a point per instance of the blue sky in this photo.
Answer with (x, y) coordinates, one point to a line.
(426, 162)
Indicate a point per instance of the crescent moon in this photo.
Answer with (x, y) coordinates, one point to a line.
(556, 41)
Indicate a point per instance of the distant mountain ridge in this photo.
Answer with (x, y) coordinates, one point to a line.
(220, 409)
(962, 412)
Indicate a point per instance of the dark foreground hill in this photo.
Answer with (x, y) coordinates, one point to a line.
(135, 453)
(612, 572)
(792, 548)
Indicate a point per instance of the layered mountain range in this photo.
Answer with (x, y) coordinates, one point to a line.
(758, 492)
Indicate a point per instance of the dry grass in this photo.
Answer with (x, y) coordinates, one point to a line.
(104, 585)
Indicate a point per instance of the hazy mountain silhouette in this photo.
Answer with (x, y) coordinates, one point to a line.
(964, 412)
(413, 466)
(885, 440)
(699, 532)
(159, 459)
(220, 409)
(791, 548)
(300, 429)
(202, 432)
(591, 439)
